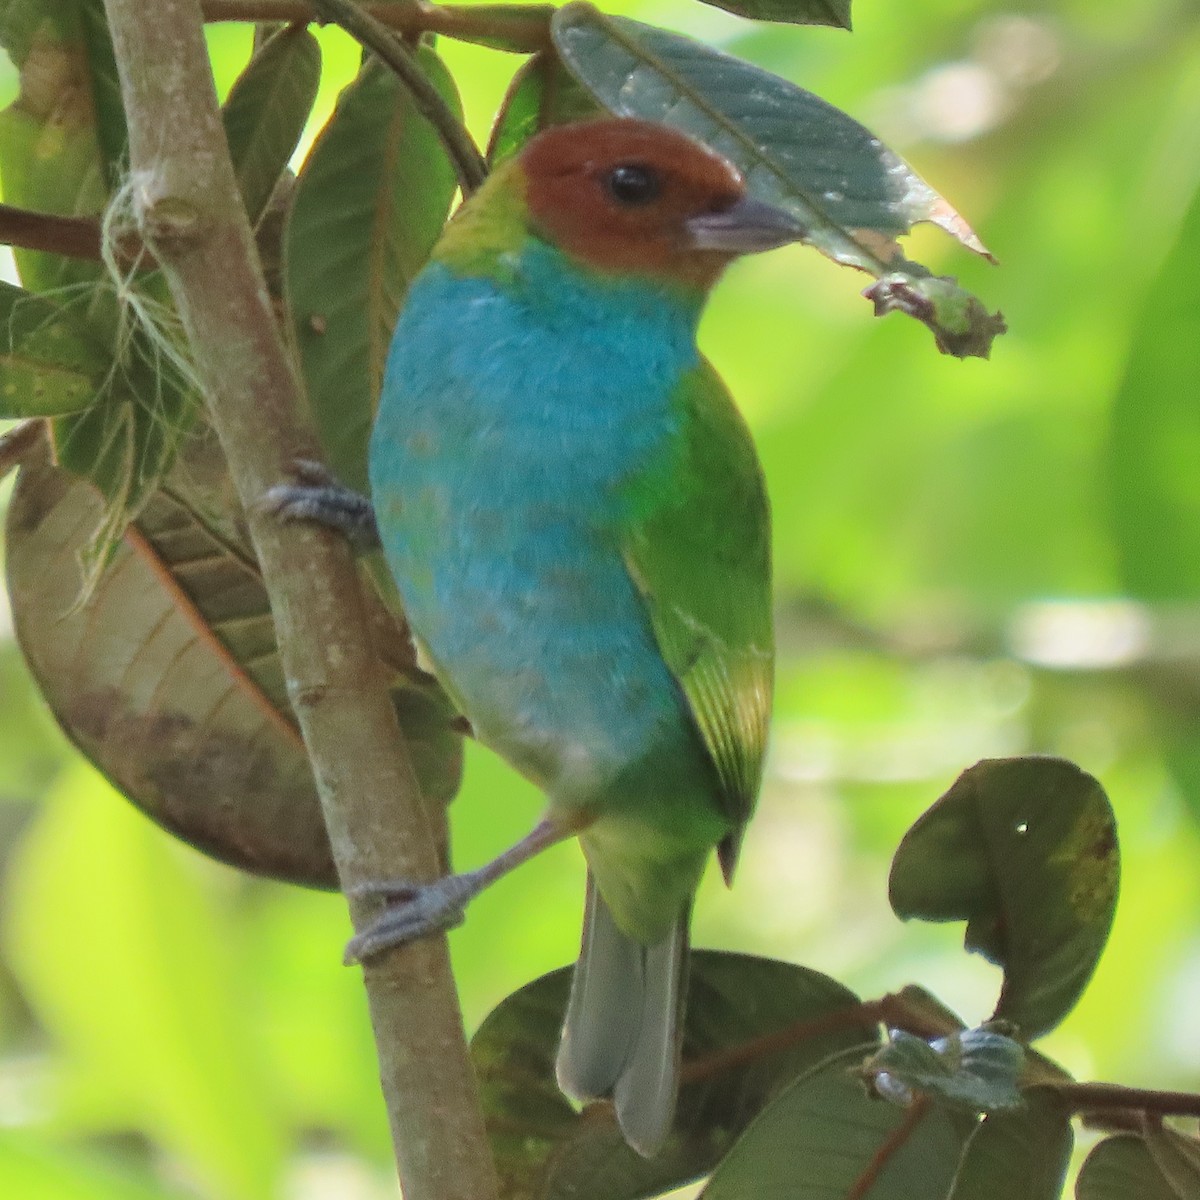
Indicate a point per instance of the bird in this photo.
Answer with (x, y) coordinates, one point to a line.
(575, 516)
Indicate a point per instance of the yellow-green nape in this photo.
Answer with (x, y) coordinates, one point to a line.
(491, 225)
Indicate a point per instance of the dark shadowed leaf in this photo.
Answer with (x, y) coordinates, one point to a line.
(545, 1148)
(1177, 1156)
(48, 363)
(166, 676)
(826, 1138)
(369, 205)
(266, 112)
(977, 1070)
(792, 12)
(853, 194)
(1025, 851)
(1017, 1154)
(542, 93)
(1122, 1168)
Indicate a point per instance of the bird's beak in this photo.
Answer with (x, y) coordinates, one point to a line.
(748, 227)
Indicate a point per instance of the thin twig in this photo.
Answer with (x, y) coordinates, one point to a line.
(1095, 1097)
(891, 1145)
(524, 29)
(469, 165)
(186, 202)
(75, 237)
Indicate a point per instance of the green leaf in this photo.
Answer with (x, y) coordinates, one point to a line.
(1154, 434)
(545, 1148)
(1177, 1156)
(1017, 1154)
(977, 1070)
(50, 153)
(792, 12)
(370, 202)
(825, 1137)
(1122, 1168)
(167, 677)
(542, 93)
(127, 962)
(267, 110)
(960, 323)
(1025, 851)
(854, 195)
(48, 363)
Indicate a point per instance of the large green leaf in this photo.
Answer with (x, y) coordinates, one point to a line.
(1018, 1154)
(167, 677)
(1025, 851)
(1122, 1168)
(792, 12)
(127, 959)
(1154, 434)
(826, 1137)
(267, 110)
(1177, 1156)
(542, 93)
(544, 1148)
(48, 362)
(852, 193)
(370, 202)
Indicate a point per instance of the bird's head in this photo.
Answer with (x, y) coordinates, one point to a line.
(623, 197)
(630, 196)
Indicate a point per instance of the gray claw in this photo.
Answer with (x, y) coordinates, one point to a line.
(426, 911)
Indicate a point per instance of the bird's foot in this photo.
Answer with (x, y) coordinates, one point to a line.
(412, 911)
(317, 497)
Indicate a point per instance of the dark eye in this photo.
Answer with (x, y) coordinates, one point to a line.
(633, 184)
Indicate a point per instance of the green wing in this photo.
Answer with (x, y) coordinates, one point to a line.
(698, 549)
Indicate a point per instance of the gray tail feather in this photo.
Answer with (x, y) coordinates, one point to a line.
(621, 1037)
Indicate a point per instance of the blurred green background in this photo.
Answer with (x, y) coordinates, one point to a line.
(974, 559)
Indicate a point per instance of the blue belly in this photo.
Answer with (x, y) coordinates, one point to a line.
(507, 429)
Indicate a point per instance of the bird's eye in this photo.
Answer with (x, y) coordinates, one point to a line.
(633, 184)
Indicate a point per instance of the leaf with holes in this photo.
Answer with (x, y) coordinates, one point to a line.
(853, 194)
(752, 1026)
(977, 1070)
(166, 675)
(1025, 851)
(542, 93)
(825, 1136)
(370, 202)
(267, 110)
(48, 363)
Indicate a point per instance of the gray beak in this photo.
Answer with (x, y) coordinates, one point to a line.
(746, 228)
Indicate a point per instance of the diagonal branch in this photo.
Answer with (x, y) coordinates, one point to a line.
(187, 205)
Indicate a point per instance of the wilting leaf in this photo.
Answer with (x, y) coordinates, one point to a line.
(793, 12)
(1011, 1154)
(1122, 1168)
(370, 202)
(1025, 851)
(977, 1070)
(826, 1137)
(853, 194)
(167, 677)
(732, 1066)
(542, 93)
(48, 363)
(267, 110)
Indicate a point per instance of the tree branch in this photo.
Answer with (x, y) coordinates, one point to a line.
(525, 29)
(189, 211)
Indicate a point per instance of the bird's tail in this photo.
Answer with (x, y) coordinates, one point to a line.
(622, 1034)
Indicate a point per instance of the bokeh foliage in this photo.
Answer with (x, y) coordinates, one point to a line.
(974, 560)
